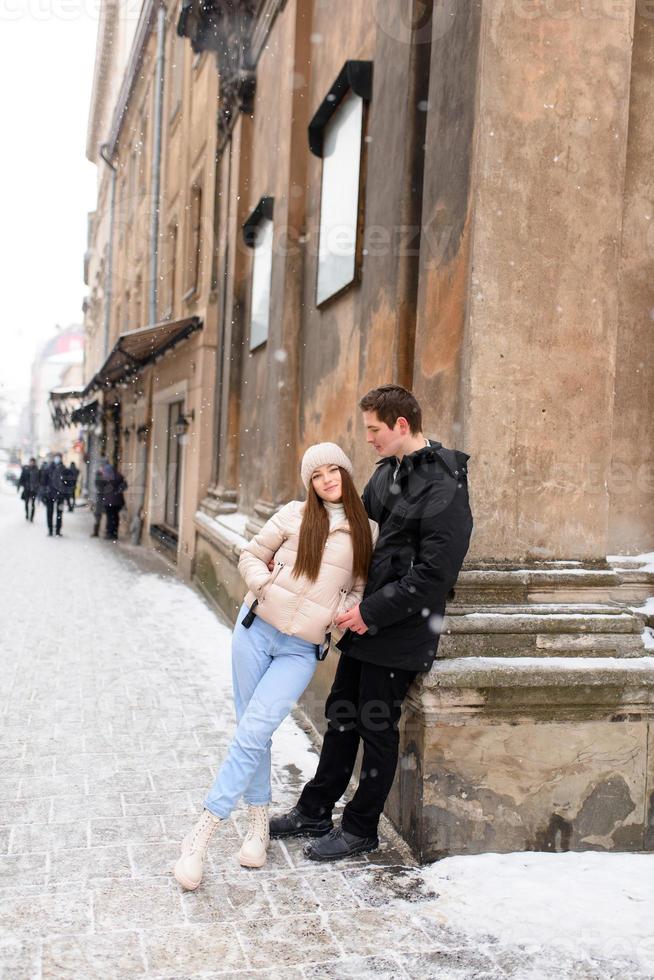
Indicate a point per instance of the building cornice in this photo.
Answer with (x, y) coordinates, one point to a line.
(107, 29)
(236, 31)
(143, 30)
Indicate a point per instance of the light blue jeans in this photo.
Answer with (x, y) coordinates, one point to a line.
(270, 670)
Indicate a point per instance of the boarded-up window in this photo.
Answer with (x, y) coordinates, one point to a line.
(176, 76)
(194, 262)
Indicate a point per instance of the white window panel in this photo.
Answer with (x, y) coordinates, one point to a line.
(261, 280)
(339, 198)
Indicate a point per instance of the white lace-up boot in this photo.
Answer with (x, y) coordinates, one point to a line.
(254, 847)
(189, 867)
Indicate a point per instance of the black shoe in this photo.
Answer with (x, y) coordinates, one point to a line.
(295, 823)
(59, 534)
(339, 844)
(49, 534)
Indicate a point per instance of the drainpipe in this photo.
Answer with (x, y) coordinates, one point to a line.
(156, 164)
(108, 291)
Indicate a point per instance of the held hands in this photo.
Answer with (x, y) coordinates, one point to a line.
(351, 620)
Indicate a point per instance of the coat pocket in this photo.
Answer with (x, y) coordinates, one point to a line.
(264, 589)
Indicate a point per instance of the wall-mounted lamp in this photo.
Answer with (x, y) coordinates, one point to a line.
(183, 422)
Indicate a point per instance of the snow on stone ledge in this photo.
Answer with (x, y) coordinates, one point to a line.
(644, 562)
(529, 671)
(235, 522)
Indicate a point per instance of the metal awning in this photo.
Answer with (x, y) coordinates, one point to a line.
(135, 350)
(86, 414)
(63, 402)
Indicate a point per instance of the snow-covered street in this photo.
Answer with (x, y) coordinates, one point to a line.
(116, 711)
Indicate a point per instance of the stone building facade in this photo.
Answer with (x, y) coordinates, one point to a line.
(434, 194)
(151, 323)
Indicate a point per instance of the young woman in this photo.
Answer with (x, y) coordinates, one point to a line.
(307, 565)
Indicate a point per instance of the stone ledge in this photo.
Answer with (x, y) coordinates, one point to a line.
(491, 672)
(545, 622)
(455, 645)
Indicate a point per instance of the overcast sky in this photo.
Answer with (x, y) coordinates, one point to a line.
(47, 186)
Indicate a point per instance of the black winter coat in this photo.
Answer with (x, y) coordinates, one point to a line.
(54, 483)
(30, 479)
(112, 494)
(425, 525)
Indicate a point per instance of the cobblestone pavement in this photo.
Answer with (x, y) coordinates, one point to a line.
(115, 713)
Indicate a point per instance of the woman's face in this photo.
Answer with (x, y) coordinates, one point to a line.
(327, 483)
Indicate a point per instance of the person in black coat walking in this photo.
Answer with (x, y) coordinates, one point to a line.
(29, 481)
(71, 484)
(98, 506)
(418, 495)
(53, 490)
(113, 499)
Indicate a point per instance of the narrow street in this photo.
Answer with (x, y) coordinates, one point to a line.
(115, 713)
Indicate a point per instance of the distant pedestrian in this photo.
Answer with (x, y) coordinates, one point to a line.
(71, 483)
(29, 481)
(113, 498)
(98, 504)
(52, 490)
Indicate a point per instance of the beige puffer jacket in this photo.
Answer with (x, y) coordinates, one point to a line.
(296, 606)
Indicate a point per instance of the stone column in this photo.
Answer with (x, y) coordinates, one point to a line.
(631, 478)
(448, 203)
(542, 326)
(393, 194)
(232, 280)
(279, 438)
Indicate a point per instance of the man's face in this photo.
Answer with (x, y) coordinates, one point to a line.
(386, 441)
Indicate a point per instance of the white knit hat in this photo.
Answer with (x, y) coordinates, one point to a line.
(322, 454)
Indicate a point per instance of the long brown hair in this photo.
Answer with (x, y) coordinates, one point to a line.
(315, 528)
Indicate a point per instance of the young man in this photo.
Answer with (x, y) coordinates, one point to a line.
(419, 497)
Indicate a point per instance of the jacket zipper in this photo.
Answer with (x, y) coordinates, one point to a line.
(340, 603)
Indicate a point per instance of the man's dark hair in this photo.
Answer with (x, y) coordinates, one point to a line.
(392, 402)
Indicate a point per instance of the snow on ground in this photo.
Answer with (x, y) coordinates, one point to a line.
(559, 907)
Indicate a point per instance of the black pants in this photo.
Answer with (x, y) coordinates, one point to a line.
(30, 501)
(113, 518)
(365, 702)
(50, 507)
(97, 517)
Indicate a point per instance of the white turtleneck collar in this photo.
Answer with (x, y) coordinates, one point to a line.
(335, 512)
